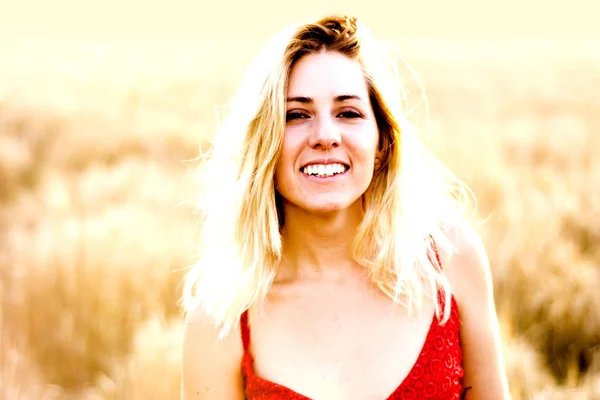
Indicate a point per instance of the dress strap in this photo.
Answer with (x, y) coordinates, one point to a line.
(245, 330)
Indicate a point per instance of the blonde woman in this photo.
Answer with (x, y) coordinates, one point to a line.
(336, 261)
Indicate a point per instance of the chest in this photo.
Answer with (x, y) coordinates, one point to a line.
(331, 342)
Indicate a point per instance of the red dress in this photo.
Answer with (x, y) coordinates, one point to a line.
(437, 373)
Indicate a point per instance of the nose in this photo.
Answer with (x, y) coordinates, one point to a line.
(325, 134)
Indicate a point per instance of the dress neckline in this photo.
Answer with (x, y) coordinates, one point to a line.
(248, 360)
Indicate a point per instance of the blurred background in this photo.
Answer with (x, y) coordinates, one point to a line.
(104, 106)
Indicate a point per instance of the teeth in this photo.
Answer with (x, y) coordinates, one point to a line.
(324, 170)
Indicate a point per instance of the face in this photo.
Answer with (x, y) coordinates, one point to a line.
(330, 143)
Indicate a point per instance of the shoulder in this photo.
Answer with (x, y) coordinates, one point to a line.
(211, 366)
(470, 277)
(468, 268)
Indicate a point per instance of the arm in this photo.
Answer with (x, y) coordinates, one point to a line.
(211, 368)
(471, 280)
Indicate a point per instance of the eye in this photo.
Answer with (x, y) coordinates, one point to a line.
(350, 114)
(294, 115)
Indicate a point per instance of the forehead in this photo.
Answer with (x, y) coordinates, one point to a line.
(326, 74)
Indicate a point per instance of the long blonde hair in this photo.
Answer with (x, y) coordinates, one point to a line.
(409, 206)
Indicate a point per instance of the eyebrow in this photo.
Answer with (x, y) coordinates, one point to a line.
(337, 99)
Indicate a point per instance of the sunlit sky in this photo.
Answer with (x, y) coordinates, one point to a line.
(150, 19)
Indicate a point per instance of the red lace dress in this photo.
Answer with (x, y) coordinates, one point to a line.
(437, 373)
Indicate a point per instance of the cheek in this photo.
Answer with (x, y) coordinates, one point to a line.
(366, 145)
(280, 170)
(285, 162)
(291, 148)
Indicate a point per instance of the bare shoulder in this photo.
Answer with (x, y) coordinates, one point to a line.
(470, 276)
(468, 269)
(211, 367)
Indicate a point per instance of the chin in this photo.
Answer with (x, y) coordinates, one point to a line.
(323, 209)
(330, 205)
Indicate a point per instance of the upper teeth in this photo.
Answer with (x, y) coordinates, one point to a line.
(324, 169)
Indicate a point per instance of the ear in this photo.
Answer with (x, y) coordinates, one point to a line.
(378, 158)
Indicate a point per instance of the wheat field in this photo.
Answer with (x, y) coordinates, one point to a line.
(97, 191)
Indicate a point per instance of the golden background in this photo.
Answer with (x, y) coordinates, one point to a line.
(102, 102)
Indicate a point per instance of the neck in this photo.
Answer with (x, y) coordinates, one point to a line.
(319, 245)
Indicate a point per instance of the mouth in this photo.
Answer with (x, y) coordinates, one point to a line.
(322, 171)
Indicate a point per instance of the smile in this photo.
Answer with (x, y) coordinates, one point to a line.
(324, 170)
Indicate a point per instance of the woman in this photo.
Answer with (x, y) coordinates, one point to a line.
(336, 260)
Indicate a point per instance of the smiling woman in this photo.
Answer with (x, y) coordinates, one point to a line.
(338, 238)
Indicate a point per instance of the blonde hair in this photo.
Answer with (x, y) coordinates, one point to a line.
(409, 206)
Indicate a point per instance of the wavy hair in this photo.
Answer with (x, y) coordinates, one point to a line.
(411, 202)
